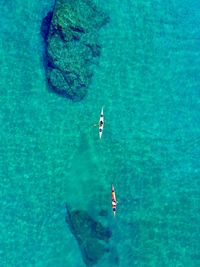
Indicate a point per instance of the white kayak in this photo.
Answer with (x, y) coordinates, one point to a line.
(101, 123)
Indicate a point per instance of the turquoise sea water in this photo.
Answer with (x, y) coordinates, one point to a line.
(148, 81)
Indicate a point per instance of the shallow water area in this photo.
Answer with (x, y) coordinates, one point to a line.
(148, 82)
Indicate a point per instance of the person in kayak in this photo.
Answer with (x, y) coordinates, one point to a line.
(101, 123)
(114, 203)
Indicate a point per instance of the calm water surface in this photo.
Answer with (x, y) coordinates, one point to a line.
(148, 81)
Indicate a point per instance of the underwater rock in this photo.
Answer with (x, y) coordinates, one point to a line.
(46, 25)
(91, 235)
(72, 47)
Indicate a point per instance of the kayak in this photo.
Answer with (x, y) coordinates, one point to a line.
(114, 201)
(101, 123)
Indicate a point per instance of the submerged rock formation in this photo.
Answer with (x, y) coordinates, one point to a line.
(71, 35)
(91, 235)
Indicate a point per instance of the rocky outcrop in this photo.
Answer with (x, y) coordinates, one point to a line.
(92, 236)
(72, 47)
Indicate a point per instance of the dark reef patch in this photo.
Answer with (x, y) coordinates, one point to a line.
(92, 236)
(72, 47)
(45, 27)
